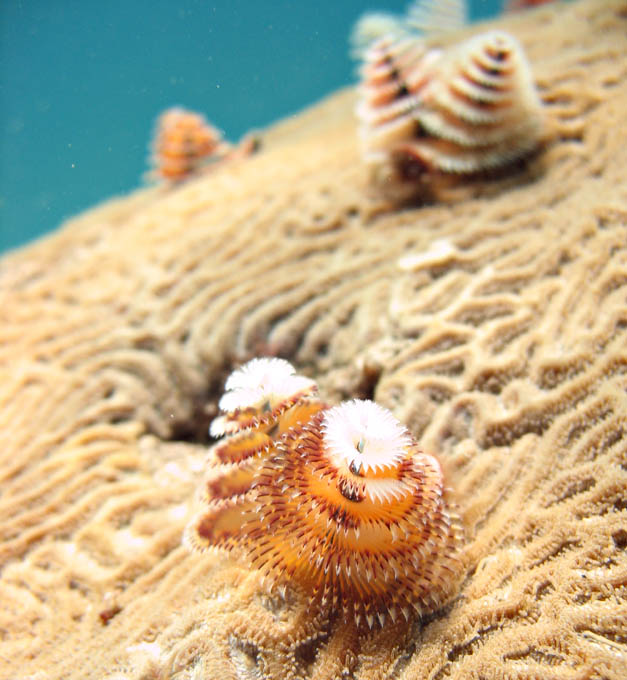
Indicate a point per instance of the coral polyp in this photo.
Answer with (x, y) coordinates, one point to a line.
(340, 502)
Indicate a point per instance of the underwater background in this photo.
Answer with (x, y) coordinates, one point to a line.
(81, 84)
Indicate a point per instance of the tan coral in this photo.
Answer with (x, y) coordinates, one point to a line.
(495, 328)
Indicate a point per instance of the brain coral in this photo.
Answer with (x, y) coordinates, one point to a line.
(494, 326)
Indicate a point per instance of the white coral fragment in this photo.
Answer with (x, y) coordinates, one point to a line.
(440, 252)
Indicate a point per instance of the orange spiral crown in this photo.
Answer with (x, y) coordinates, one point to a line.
(184, 142)
(339, 501)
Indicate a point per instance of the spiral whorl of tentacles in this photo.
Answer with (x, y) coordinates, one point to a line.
(340, 501)
(263, 400)
(184, 142)
(394, 73)
(185, 145)
(465, 109)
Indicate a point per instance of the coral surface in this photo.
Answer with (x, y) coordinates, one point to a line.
(494, 326)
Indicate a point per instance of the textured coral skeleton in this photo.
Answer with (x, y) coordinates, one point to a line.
(338, 501)
(495, 328)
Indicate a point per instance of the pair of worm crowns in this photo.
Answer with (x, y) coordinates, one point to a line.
(426, 18)
(339, 501)
(185, 145)
(426, 111)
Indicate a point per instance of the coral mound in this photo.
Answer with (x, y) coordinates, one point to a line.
(494, 327)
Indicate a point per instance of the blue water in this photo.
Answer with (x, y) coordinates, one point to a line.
(81, 82)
